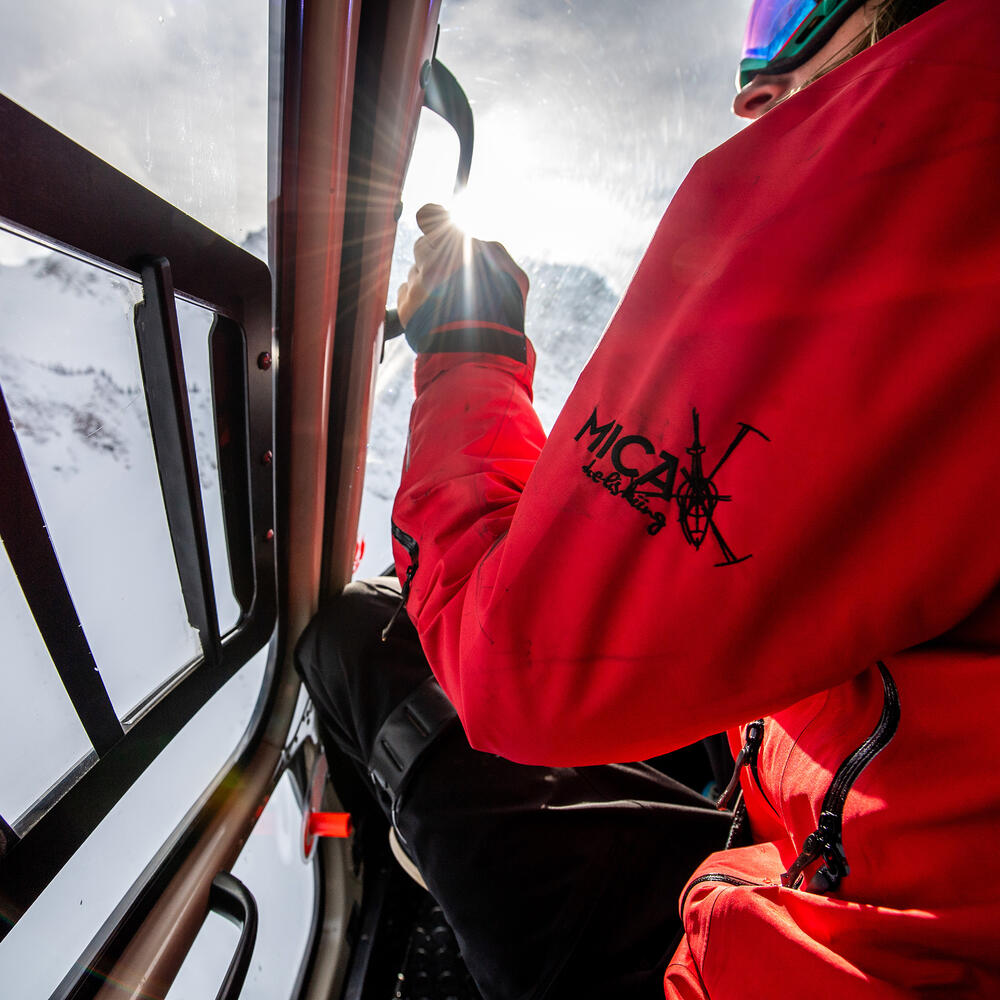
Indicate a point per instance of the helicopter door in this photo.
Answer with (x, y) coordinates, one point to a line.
(138, 570)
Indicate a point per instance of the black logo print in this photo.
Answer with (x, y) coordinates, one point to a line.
(698, 495)
(641, 487)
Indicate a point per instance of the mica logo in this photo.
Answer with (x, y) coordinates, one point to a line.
(698, 496)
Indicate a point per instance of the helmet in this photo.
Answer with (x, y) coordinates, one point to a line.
(783, 34)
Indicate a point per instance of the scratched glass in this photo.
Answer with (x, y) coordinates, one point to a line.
(172, 94)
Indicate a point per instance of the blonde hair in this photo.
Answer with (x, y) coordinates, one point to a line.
(886, 17)
(892, 14)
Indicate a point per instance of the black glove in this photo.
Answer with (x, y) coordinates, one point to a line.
(471, 294)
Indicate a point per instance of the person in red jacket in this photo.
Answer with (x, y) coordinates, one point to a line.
(765, 508)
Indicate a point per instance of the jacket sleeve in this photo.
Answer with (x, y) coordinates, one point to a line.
(777, 468)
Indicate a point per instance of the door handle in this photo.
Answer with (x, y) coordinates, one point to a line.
(230, 898)
(443, 95)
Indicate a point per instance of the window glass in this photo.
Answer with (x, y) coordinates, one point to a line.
(41, 737)
(283, 883)
(174, 94)
(206, 963)
(70, 373)
(588, 116)
(195, 324)
(46, 942)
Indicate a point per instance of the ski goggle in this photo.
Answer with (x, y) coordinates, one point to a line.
(783, 34)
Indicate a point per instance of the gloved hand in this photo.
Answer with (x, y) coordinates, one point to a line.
(461, 295)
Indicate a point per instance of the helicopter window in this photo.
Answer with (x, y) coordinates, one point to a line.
(104, 763)
(72, 381)
(585, 124)
(173, 95)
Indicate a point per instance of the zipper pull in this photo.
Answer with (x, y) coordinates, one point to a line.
(810, 852)
(746, 756)
(825, 842)
(836, 868)
(404, 597)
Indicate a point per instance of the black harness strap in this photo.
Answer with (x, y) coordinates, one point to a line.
(414, 724)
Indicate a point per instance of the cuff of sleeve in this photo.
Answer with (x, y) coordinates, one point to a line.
(430, 365)
(457, 319)
(473, 337)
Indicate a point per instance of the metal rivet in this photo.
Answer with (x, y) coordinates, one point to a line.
(397, 212)
(425, 74)
(267, 457)
(264, 361)
(269, 535)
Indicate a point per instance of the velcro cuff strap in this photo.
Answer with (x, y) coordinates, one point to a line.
(414, 724)
(468, 311)
(477, 338)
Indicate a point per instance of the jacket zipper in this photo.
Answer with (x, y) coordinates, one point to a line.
(826, 840)
(713, 877)
(747, 757)
(413, 551)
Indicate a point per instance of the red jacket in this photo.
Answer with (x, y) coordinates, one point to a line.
(770, 495)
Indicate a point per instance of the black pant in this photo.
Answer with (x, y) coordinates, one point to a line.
(558, 882)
